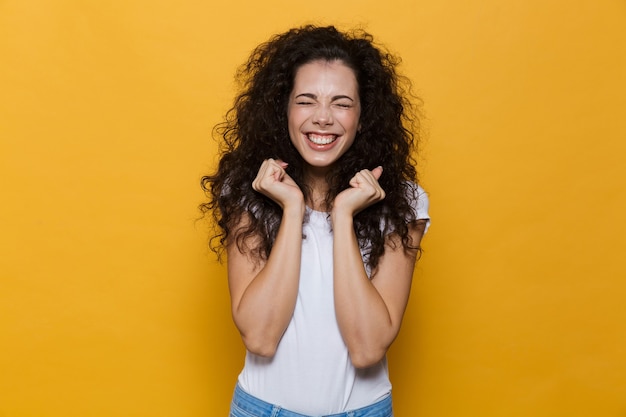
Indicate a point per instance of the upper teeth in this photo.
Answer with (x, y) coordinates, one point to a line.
(321, 139)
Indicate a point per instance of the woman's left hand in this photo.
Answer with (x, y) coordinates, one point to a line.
(363, 192)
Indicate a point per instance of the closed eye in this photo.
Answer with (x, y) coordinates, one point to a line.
(342, 101)
(304, 99)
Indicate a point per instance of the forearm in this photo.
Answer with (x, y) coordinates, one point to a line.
(364, 319)
(265, 307)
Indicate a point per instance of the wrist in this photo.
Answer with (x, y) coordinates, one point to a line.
(339, 217)
(294, 210)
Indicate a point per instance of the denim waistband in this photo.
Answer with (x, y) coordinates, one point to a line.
(259, 408)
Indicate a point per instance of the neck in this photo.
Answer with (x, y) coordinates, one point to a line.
(316, 182)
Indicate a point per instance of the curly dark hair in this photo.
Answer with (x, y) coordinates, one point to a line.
(255, 129)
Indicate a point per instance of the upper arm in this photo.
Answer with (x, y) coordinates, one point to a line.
(241, 265)
(393, 276)
(394, 273)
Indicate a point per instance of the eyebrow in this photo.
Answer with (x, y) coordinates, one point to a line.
(314, 97)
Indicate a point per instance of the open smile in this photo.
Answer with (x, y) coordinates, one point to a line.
(319, 139)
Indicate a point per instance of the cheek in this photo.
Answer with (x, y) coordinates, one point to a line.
(293, 127)
(351, 123)
(295, 118)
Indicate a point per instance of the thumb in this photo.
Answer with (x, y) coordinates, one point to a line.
(377, 172)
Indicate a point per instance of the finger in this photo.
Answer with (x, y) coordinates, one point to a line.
(282, 163)
(356, 180)
(269, 169)
(277, 169)
(255, 182)
(365, 176)
(370, 178)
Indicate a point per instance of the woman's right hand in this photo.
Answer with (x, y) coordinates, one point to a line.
(273, 181)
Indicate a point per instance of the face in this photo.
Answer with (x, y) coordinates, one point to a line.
(323, 112)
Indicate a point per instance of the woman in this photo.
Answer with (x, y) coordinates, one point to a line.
(321, 218)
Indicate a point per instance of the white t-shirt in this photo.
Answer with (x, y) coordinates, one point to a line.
(311, 372)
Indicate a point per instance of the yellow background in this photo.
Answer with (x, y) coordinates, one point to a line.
(110, 303)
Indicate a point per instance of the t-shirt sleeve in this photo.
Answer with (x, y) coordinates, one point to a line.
(420, 204)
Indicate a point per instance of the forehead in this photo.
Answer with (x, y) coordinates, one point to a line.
(321, 72)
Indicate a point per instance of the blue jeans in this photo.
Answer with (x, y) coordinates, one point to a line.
(245, 405)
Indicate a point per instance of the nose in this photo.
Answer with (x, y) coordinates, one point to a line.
(323, 115)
